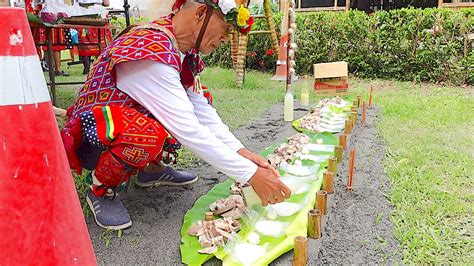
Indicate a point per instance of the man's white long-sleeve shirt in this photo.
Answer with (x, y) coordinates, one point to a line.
(185, 114)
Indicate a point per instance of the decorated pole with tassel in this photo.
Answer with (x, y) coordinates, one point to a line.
(234, 46)
(242, 50)
(290, 64)
(271, 25)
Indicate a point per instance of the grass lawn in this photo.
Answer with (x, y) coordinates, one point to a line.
(430, 160)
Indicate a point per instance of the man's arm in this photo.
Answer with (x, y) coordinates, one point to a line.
(158, 88)
(208, 117)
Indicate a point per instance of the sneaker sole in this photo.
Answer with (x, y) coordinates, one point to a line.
(164, 183)
(111, 227)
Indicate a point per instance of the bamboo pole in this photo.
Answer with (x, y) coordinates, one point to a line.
(354, 118)
(240, 66)
(314, 224)
(271, 25)
(364, 112)
(348, 126)
(343, 140)
(359, 101)
(328, 181)
(321, 201)
(332, 164)
(300, 254)
(351, 170)
(339, 151)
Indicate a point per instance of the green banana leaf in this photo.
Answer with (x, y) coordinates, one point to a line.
(190, 245)
(296, 123)
(298, 224)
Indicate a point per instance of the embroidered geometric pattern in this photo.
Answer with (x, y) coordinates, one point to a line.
(109, 118)
(140, 44)
(138, 141)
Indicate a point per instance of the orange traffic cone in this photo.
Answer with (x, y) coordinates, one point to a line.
(41, 220)
(281, 68)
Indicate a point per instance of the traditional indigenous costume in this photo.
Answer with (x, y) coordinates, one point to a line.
(140, 94)
(88, 39)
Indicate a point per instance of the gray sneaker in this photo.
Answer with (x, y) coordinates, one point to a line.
(169, 177)
(108, 213)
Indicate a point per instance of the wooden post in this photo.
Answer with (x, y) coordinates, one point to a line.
(351, 170)
(348, 5)
(370, 96)
(332, 164)
(364, 112)
(343, 140)
(300, 253)
(339, 152)
(321, 201)
(314, 224)
(359, 101)
(328, 182)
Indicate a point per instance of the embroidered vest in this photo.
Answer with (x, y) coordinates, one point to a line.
(154, 41)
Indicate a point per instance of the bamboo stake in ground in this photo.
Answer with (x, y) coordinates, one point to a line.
(339, 151)
(354, 104)
(314, 224)
(321, 201)
(328, 181)
(359, 101)
(351, 170)
(364, 112)
(354, 118)
(300, 253)
(348, 126)
(370, 96)
(343, 140)
(332, 164)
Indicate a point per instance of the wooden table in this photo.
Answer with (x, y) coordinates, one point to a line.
(49, 44)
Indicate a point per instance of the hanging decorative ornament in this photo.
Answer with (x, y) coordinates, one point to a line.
(291, 31)
(292, 71)
(291, 53)
(292, 63)
(293, 46)
(293, 26)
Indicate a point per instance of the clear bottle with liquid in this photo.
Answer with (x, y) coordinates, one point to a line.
(288, 107)
(305, 92)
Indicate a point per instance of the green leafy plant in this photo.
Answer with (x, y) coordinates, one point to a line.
(406, 44)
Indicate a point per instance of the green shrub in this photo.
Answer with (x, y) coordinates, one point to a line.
(393, 44)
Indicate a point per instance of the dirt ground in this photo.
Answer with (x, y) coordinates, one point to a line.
(357, 228)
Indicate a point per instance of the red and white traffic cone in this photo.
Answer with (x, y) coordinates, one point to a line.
(41, 220)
